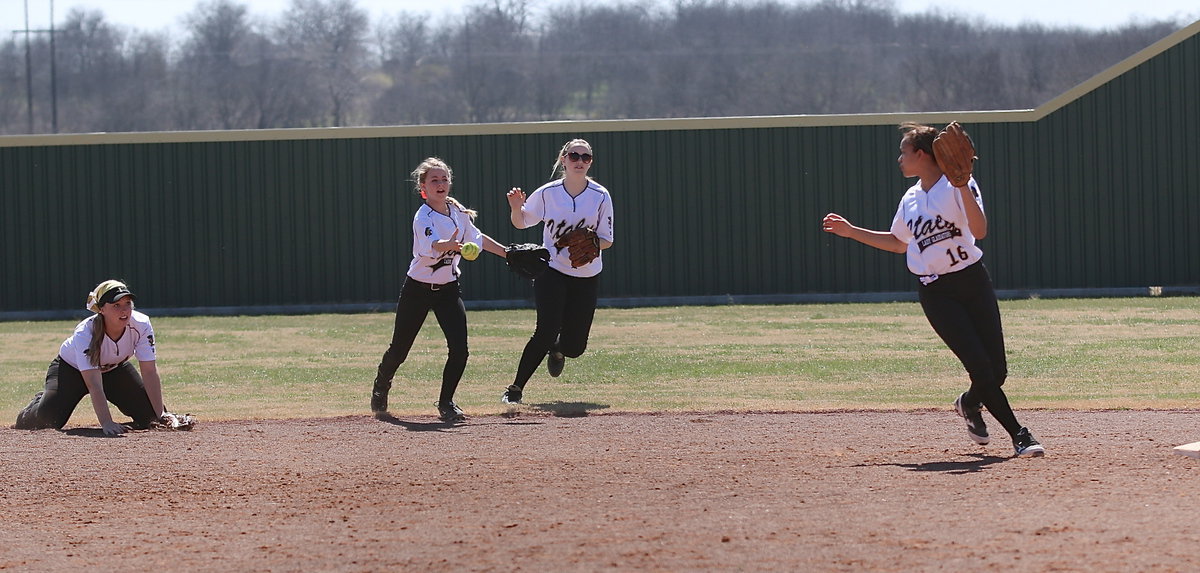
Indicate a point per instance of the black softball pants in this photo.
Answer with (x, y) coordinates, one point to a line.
(64, 389)
(963, 310)
(415, 302)
(566, 306)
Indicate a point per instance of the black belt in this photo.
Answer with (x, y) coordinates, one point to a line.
(431, 286)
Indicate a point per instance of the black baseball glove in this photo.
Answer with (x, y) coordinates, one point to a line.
(527, 259)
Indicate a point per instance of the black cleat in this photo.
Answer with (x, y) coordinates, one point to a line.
(976, 428)
(1027, 446)
(512, 395)
(26, 417)
(450, 412)
(379, 396)
(555, 363)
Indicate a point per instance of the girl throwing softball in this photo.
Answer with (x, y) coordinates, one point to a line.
(565, 295)
(935, 226)
(441, 228)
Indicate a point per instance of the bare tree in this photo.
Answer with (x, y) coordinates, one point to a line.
(141, 92)
(415, 68)
(13, 98)
(495, 62)
(216, 68)
(492, 60)
(599, 62)
(330, 40)
(107, 79)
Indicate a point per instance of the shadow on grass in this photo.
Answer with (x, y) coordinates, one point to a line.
(955, 468)
(568, 409)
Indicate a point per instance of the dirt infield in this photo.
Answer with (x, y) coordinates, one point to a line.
(879, 491)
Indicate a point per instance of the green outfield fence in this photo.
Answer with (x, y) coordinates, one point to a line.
(1097, 191)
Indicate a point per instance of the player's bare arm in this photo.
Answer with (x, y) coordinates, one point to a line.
(95, 386)
(840, 226)
(516, 204)
(976, 218)
(153, 382)
(490, 245)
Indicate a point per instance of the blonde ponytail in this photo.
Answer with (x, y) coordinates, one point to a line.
(469, 212)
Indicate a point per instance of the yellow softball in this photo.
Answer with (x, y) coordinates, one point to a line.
(470, 251)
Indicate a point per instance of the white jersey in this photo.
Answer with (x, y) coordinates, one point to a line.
(934, 225)
(553, 205)
(137, 340)
(429, 226)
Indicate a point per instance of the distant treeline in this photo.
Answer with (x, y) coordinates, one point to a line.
(324, 63)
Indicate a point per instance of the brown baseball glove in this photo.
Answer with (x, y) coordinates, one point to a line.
(172, 421)
(955, 154)
(583, 246)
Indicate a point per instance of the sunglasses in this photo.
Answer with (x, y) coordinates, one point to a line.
(584, 157)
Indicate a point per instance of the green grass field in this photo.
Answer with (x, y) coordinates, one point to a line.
(1131, 353)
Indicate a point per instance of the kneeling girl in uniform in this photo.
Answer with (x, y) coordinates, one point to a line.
(94, 361)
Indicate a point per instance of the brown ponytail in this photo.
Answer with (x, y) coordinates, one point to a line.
(93, 351)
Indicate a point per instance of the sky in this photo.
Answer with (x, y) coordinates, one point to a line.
(155, 15)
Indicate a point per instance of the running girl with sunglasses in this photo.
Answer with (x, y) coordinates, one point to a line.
(565, 295)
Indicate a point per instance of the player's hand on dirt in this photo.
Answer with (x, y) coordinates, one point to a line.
(836, 224)
(516, 198)
(112, 428)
